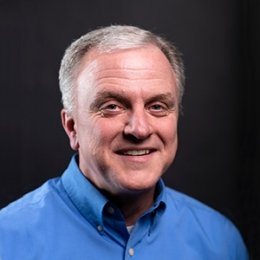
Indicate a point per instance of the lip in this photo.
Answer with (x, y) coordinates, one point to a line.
(136, 162)
(136, 154)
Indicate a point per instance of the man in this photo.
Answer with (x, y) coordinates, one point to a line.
(121, 89)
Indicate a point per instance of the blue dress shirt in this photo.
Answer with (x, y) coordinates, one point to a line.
(68, 218)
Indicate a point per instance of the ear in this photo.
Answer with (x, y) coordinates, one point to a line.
(69, 126)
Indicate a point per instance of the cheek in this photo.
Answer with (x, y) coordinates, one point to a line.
(168, 131)
(171, 143)
(89, 136)
(104, 132)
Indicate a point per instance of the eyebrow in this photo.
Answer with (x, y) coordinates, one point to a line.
(165, 97)
(105, 95)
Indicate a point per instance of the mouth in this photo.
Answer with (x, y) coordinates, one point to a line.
(136, 152)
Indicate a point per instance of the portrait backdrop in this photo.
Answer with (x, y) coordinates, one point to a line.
(218, 156)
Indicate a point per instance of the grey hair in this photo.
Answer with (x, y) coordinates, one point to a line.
(107, 40)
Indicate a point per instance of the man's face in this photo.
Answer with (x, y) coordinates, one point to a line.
(125, 120)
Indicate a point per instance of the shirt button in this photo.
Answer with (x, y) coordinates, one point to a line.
(131, 251)
(111, 210)
(100, 228)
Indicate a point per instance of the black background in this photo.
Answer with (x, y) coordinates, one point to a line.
(218, 159)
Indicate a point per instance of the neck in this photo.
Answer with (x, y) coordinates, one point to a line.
(134, 205)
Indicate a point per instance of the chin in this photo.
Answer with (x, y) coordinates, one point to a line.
(139, 185)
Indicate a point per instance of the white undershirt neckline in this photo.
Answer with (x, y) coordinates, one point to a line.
(130, 228)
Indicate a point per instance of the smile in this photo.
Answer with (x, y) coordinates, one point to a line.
(137, 152)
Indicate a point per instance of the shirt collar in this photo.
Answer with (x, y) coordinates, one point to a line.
(89, 200)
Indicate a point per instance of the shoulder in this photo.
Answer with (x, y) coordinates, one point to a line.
(206, 223)
(184, 203)
(22, 210)
(23, 222)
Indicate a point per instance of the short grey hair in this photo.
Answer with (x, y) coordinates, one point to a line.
(109, 39)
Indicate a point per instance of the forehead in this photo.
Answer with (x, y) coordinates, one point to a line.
(136, 69)
(148, 58)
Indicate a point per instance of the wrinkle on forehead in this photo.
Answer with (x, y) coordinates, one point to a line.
(125, 71)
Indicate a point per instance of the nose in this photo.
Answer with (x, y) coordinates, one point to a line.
(138, 126)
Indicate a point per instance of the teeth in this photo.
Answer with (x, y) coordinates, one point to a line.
(136, 152)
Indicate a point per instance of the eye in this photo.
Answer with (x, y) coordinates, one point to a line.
(111, 108)
(158, 109)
